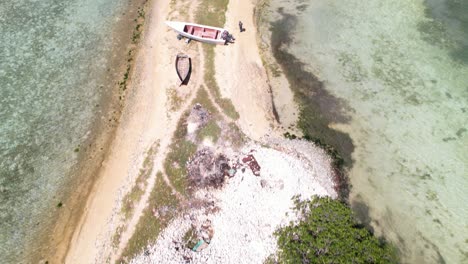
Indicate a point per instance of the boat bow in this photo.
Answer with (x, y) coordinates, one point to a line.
(177, 26)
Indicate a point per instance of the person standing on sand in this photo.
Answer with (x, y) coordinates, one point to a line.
(240, 26)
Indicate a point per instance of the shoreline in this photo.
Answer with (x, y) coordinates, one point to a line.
(51, 243)
(137, 130)
(334, 134)
(289, 79)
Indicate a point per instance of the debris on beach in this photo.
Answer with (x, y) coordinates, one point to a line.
(252, 163)
(195, 239)
(199, 236)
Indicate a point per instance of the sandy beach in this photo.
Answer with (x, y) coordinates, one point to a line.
(241, 75)
(151, 115)
(144, 120)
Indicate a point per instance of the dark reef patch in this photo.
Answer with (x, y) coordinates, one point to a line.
(273, 106)
(301, 7)
(447, 139)
(361, 211)
(318, 108)
(460, 132)
(447, 27)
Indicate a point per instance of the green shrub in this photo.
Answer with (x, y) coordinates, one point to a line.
(328, 233)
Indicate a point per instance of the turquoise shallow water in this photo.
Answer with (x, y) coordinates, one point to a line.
(53, 56)
(401, 68)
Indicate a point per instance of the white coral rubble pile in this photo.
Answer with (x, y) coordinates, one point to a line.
(250, 208)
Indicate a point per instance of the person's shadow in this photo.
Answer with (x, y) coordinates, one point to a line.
(241, 27)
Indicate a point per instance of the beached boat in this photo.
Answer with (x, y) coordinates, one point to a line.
(183, 66)
(207, 34)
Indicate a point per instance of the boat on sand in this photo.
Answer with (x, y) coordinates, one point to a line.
(207, 34)
(183, 66)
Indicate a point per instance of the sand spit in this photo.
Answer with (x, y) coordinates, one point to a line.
(244, 213)
(248, 208)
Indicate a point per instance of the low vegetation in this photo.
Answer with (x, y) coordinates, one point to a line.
(123, 84)
(224, 103)
(117, 235)
(210, 130)
(134, 195)
(212, 12)
(236, 136)
(136, 35)
(175, 101)
(328, 233)
(181, 150)
(162, 208)
(204, 99)
(139, 24)
(179, 10)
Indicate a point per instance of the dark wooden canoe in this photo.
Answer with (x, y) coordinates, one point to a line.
(183, 66)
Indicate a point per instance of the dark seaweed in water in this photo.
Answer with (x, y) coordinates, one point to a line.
(318, 108)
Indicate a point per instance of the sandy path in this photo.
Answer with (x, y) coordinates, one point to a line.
(240, 73)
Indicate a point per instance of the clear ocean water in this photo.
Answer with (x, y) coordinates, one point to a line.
(401, 67)
(53, 54)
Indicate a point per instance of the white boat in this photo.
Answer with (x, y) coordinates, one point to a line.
(207, 34)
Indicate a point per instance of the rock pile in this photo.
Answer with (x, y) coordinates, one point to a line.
(207, 169)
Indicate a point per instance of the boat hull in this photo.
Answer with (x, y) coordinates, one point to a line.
(179, 28)
(183, 65)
